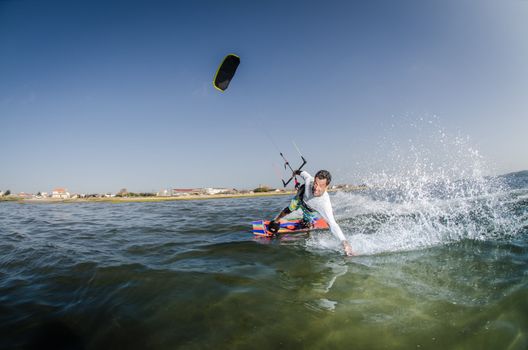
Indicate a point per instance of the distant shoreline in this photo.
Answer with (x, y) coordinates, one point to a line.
(153, 198)
(143, 199)
(191, 197)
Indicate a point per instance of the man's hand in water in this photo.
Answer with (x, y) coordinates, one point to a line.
(348, 249)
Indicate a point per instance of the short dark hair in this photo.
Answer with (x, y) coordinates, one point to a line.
(324, 175)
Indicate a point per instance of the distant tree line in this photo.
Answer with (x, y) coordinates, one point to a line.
(124, 193)
(142, 194)
(263, 189)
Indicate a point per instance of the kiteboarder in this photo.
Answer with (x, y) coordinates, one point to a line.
(313, 199)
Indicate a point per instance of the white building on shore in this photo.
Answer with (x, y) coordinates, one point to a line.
(211, 190)
(60, 193)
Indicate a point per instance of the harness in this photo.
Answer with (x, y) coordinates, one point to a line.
(309, 214)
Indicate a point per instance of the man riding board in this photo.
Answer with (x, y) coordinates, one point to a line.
(313, 199)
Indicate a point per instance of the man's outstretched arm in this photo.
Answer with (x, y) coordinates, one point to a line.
(328, 215)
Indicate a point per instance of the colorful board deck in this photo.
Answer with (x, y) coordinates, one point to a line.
(260, 227)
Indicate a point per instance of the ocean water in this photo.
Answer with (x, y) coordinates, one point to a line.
(441, 264)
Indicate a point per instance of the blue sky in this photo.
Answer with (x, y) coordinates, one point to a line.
(100, 95)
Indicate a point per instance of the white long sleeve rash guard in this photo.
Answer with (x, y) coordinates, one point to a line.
(322, 205)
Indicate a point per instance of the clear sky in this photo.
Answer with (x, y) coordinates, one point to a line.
(100, 95)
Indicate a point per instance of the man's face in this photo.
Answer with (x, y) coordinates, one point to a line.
(319, 187)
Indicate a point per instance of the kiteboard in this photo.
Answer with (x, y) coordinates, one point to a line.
(287, 226)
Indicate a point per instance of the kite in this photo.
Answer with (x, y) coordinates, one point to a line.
(226, 72)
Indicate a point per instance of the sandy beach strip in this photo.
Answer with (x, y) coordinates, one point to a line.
(147, 199)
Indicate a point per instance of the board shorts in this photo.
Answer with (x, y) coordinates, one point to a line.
(309, 215)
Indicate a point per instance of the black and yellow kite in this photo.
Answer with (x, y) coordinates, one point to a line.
(226, 72)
